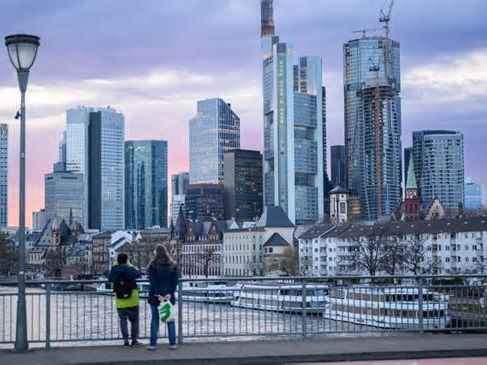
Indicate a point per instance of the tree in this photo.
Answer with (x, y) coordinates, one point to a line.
(414, 257)
(394, 254)
(207, 256)
(8, 256)
(289, 261)
(481, 265)
(369, 253)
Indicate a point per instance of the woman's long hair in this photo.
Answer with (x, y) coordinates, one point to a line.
(161, 257)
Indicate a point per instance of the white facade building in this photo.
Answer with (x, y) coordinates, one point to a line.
(244, 250)
(447, 246)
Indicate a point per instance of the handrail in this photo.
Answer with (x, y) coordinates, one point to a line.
(261, 278)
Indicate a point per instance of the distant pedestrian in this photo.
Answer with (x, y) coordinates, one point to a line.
(163, 280)
(124, 275)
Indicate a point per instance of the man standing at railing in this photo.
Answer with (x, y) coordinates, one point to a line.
(123, 275)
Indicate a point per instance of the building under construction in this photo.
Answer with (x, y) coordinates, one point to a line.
(373, 121)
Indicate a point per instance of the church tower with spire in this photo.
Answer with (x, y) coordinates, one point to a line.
(411, 201)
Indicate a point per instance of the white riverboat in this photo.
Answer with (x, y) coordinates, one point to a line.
(282, 297)
(207, 293)
(388, 307)
(142, 287)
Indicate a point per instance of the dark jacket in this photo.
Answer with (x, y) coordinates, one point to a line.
(162, 281)
(132, 274)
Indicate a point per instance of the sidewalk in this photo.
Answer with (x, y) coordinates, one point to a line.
(266, 351)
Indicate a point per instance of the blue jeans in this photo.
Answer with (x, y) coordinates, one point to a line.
(154, 328)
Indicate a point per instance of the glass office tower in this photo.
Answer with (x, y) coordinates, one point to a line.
(373, 142)
(95, 148)
(64, 195)
(212, 132)
(474, 194)
(242, 185)
(145, 184)
(294, 127)
(439, 166)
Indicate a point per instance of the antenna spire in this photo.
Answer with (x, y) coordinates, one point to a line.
(267, 18)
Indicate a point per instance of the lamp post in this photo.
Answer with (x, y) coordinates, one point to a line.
(22, 51)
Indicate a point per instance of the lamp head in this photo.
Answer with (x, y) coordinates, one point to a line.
(22, 50)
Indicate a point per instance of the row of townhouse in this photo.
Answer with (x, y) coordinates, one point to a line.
(442, 247)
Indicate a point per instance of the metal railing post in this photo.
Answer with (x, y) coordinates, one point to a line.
(48, 316)
(420, 305)
(303, 303)
(180, 312)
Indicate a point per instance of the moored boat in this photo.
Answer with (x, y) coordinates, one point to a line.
(282, 297)
(388, 307)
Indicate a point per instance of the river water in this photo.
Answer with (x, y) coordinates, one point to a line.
(90, 317)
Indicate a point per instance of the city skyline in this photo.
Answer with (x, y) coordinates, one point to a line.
(160, 94)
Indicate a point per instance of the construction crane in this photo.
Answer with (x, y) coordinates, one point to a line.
(378, 129)
(364, 31)
(385, 18)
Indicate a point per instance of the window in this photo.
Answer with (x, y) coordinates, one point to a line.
(270, 249)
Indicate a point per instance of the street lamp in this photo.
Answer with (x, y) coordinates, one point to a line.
(22, 51)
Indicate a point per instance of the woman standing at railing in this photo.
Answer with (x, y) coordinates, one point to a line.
(163, 280)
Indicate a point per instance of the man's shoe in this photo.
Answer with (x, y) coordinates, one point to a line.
(135, 343)
(151, 348)
(173, 347)
(126, 344)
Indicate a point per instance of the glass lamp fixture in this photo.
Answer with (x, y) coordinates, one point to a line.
(22, 50)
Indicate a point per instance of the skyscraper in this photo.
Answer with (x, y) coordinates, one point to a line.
(204, 202)
(439, 166)
(338, 166)
(145, 184)
(213, 131)
(63, 195)
(3, 175)
(373, 124)
(179, 187)
(242, 185)
(474, 194)
(95, 148)
(294, 127)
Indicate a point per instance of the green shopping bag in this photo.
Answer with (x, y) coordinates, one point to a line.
(166, 312)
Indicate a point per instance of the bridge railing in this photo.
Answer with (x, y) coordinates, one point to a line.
(83, 312)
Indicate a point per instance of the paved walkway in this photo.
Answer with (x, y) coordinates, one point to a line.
(266, 351)
(453, 361)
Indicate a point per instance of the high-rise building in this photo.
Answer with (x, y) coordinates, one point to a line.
(64, 195)
(474, 194)
(338, 166)
(95, 148)
(39, 220)
(145, 184)
(213, 131)
(373, 124)
(204, 202)
(3, 175)
(179, 187)
(439, 166)
(179, 183)
(242, 185)
(294, 127)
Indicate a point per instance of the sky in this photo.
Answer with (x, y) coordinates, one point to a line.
(153, 59)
